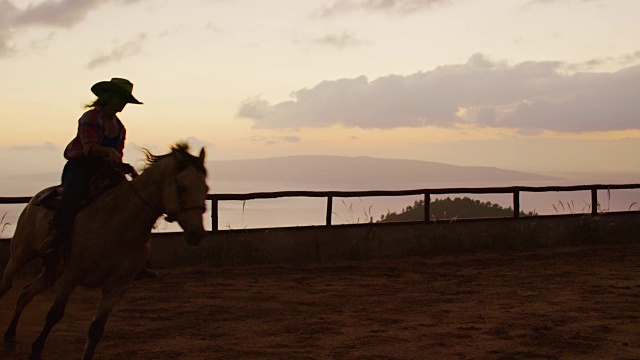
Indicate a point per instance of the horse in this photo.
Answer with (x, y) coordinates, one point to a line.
(110, 239)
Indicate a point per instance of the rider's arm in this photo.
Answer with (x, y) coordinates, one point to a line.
(104, 151)
(90, 133)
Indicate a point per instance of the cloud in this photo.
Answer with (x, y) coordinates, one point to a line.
(122, 51)
(48, 14)
(605, 102)
(339, 41)
(556, 1)
(271, 140)
(196, 144)
(617, 61)
(399, 7)
(213, 28)
(65, 14)
(534, 3)
(528, 96)
(7, 11)
(629, 58)
(46, 146)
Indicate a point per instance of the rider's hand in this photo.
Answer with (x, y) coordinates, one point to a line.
(112, 155)
(128, 170)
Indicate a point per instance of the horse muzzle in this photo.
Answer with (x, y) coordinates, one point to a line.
(194, 237)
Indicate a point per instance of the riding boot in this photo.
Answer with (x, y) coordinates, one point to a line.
(51, 255)
(49, 242)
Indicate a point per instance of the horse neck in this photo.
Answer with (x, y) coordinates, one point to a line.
(149, 185)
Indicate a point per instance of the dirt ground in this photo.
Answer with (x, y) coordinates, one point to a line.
(571, 303)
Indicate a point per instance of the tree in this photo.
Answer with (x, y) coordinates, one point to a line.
(451, 209)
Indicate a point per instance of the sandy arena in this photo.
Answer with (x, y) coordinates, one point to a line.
(570, 303)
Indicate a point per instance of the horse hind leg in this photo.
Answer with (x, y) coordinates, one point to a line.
(109, 299)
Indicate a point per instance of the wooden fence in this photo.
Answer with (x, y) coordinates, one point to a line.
(426, 193)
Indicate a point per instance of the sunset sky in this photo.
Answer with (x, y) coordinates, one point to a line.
(536, 85)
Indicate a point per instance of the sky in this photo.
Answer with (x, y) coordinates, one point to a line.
(531, 85)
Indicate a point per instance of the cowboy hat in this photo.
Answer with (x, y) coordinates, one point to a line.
(123, 87)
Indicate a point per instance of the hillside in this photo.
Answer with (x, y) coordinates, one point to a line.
(327, 171)
(359, 170)
(448, 208)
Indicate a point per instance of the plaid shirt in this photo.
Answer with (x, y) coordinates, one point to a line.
(90, 132)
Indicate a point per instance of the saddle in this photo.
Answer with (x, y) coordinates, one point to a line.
(49, 198)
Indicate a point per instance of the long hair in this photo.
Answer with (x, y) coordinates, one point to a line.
(101, 100)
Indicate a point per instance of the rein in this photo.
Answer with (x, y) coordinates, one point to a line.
(144, 201)
(128, 169)
(169, 217)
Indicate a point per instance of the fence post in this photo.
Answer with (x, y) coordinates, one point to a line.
(594, 201)
(214, 215)
(427, 207)
(516, 204)
(329, 210)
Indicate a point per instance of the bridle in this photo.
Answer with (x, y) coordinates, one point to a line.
(169, 216)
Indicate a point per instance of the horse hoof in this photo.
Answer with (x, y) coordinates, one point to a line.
(145, 273)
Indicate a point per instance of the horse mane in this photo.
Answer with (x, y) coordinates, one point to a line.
(181, 151)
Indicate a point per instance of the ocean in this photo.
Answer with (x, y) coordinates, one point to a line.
(282, 212)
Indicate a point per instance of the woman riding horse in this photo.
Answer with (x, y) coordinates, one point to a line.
(96, 150)
(110, 239)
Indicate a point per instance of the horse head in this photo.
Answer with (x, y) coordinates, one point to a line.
(185, 191)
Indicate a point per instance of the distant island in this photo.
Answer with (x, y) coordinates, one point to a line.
(320, 172)
(360, 170)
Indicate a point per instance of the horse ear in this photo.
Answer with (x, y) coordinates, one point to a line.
(202, 155)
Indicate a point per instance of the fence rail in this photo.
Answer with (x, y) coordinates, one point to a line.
(426, 193)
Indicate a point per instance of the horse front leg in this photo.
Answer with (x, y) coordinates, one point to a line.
(55, 314)
(16, 263)
(110, 298)
(37, 286)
